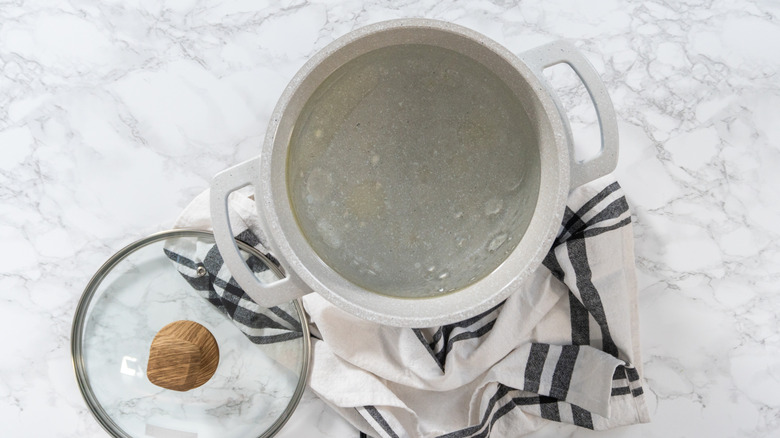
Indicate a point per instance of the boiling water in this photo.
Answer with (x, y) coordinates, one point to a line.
(413, 171)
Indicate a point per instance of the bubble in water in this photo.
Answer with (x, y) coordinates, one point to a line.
(493, 206)
(441, 289)
(318, 185)
(329, 234)
(496, 242)
(431, 268)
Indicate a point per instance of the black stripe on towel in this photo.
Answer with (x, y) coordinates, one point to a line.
(623, 390)
(581, 417)
(534, 366)
(563, 371)
(442, 355)
(257, 320)
(421, 338)
(203, 284)
(595, 231)
(439, 355)
(256, 264)
(445, 330)
(503, 410)
(381, 421)
(287, 317)
(551, 263)
(572, 222)
(248, 237)
(611, 211)
(213, 260)
(580, 321)
(272, 339)
(549, 409)
(600, 196)
(588, 292)
(180, 259)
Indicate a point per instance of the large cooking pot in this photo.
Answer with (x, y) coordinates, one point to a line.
(414, 173)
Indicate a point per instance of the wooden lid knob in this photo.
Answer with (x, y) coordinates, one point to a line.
(183, 356)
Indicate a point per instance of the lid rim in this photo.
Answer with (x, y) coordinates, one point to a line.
(79, 320)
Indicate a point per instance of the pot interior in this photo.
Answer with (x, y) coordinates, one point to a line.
(413, 170)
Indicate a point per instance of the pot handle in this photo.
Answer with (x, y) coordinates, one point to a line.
(558, 52)
(265, 294)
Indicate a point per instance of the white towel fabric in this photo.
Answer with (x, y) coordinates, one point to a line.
(563, 347)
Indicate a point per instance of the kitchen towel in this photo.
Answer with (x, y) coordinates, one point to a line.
(563, 347)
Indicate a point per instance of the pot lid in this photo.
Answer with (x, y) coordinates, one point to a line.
(159, 351)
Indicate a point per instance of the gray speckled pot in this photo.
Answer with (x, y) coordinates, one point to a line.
(306, 272)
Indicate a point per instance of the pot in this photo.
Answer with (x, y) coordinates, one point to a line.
(414, 173)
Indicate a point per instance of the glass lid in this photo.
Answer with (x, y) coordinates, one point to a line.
(165, 344)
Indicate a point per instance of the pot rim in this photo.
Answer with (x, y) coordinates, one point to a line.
(472, 300)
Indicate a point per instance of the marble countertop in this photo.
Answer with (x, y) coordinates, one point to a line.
(114, 115)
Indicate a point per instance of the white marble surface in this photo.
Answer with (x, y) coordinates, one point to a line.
(113, 115)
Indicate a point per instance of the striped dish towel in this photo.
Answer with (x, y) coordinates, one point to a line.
(200, 264)
(563, 347)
